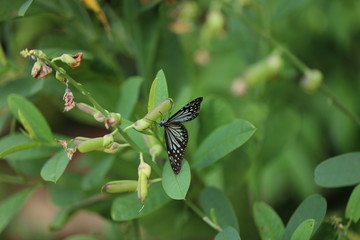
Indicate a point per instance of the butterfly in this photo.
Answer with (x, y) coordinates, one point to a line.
(176, 135)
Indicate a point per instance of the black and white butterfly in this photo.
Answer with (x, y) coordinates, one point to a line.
(176, 136)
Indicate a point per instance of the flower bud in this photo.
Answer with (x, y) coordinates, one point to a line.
(152, 116)
(36, 68)
(311, 81)
(155, 147)
(90, 110)
(113, 120)
(71, 60)
(144, 171)
(85, 145)
(121, 186)
(213, 26)
(114, 147)
(68, 59)
(60, 76)
(263, 70)
(40, 69)
(108, 140)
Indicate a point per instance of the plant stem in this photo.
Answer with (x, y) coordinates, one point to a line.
(299, 64)
(340, 106)
(12, 179)
(87, 94)
(202, 215)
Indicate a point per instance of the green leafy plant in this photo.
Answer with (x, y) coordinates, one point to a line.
(80, 119)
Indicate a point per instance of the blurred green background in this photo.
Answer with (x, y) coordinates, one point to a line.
(205, 48)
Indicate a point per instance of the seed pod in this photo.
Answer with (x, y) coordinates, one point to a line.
(120, 186)
(152, 116)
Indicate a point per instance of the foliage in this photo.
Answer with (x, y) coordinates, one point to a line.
(269, 157)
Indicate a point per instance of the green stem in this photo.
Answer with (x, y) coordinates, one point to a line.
(12, 179)
(299, 64)
(203, 216)
(340, 106)
(87, 94)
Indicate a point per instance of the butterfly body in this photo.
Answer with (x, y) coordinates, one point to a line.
(176, 135)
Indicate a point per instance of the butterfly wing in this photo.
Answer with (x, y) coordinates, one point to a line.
(188, 112)
(176, 138)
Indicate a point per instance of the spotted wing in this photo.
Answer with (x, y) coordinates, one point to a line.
(176, 138)
(188, 112)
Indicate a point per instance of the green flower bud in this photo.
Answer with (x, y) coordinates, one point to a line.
(85, 145)
(144, 171)
(213, 26)
(108, 140)
(155, 147)
(121, 186)
(311, 81)
(71, 60)
(142, 187)
(159, 110)
(60, 76)
(114, 147)
(152, 116)
(263, 70)
(91, 110)
(68, 59)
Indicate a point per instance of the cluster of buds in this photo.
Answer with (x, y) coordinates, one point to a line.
(39, 69)
(149, 119)
(44, 66)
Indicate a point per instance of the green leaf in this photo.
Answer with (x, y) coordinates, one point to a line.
(176, 186)
(339, 171)
(268, 222)
(313, 207)
(158, 91)
(222, 141)
(10, 10)
(352, 210)
(128, 206)
(274, 126)
(212, 198)
(16, 142)
(129, 96)
(20, 147)
(94, 177)
(55, 166)
(66, 193)
(229, 233)
(10, 206)
(60, 219)
(34, 119)
(218, 110)
(304, 230)
(23, 86)
(22, 10)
